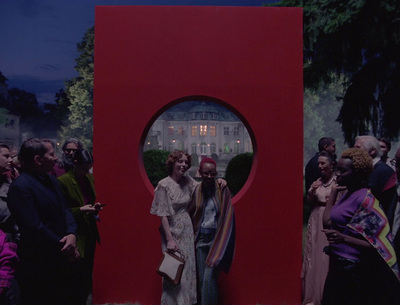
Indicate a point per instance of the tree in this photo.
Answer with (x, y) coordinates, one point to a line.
(3, 79)
(26, 106)
(3, 100)
(319, 109)
(237, 172)
(62, 101)
(359, 40)
(22, 103)
(78, 95)
(36, 120)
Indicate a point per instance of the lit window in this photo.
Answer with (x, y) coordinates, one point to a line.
(194, 131)
(213, 131)
(170, 130)
(203, 130)
(180, 130)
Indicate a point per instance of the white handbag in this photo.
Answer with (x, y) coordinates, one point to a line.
(171, 266)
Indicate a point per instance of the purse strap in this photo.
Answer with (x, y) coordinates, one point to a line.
(177, 253)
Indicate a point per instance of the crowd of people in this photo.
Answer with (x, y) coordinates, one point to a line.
(352, 241)
(49, 214)
(197, 220)
(48, 231)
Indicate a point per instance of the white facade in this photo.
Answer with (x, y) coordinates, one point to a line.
(201, 129)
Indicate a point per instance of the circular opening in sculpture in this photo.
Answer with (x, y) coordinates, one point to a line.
(202, 127)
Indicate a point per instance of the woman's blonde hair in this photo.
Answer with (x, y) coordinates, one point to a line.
(362, 162)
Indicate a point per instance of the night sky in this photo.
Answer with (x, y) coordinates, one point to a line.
(38, 38)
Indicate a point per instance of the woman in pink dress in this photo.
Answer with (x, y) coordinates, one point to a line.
(315, 261)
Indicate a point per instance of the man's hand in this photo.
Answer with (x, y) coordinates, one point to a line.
(69, 248)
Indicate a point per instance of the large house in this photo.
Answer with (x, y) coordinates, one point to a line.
(201, 128)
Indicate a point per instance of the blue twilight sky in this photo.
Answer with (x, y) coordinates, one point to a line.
(38, 38)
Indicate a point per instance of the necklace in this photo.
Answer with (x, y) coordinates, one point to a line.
(329, 182)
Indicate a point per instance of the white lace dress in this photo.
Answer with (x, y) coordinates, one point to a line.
(172, 199)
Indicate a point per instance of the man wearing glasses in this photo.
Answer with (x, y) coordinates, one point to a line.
(69, 148)
(214, 227)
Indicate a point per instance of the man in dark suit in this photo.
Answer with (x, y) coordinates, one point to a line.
(382, 181)
(47, 227)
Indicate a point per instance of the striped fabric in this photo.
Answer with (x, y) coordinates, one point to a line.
(371, 222)
(222, 249)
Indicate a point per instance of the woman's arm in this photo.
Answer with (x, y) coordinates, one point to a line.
(171, 243)
(312, 192)
(222, 183)
(326, 220)
(335, 237)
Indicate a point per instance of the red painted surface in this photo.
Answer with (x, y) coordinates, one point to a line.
(251, 58)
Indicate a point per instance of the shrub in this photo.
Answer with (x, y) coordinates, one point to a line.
(154, 164)
(238, 171)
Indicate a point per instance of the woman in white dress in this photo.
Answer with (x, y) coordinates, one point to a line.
(171, 200)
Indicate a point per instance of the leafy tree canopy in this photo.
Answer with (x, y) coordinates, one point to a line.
(78, 95)
(318, 122)
(361, 40)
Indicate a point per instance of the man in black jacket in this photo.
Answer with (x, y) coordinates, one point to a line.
(47, 227)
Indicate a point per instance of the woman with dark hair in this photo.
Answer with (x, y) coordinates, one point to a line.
(315, 262)
(171, 201)
(78, 188)
(362, 266)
